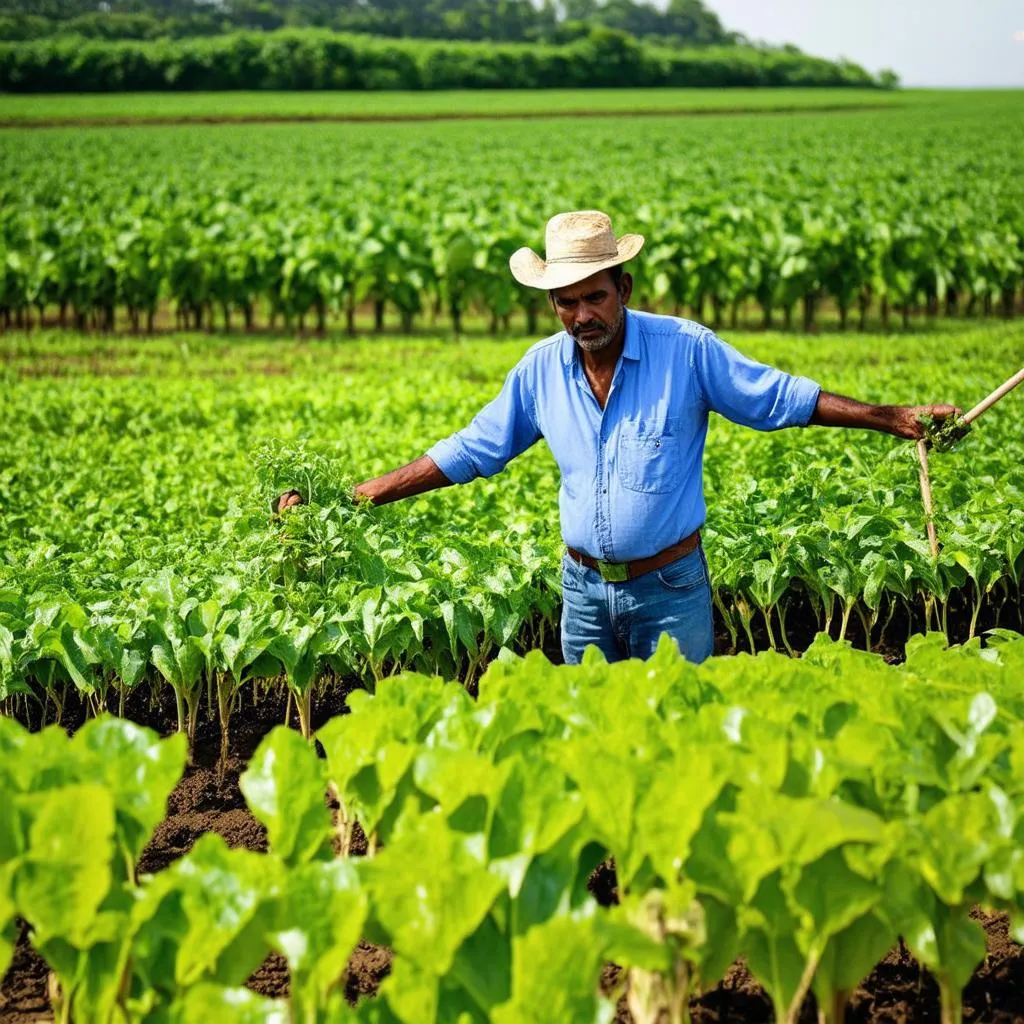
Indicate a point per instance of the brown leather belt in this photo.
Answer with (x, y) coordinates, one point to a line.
(619, 572)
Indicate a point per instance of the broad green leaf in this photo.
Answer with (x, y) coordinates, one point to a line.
(284, 787)
(555, 968)
(318, 923)
(428, 914)
(671, 809)
(206, 1002)
(227, 901)
(138, 769)
(535, 810)
(65, 873)
(849, 956)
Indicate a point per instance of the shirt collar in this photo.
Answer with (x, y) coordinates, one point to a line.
(630, 345)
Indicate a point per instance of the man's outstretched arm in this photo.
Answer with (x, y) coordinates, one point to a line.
(407, 481)
(503, 429)
(898, 420)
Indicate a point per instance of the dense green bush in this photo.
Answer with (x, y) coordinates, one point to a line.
(319, 59)
(22, 27)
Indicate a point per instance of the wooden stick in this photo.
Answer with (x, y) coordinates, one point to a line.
(1000, 392)
(926, 497)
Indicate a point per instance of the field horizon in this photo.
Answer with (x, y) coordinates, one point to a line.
(106, 109)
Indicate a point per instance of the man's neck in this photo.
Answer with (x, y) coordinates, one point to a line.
(606, 358)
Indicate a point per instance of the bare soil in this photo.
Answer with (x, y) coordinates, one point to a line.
(403, 118)
(207, 800)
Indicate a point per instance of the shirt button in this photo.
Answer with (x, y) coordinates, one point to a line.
(605, 491)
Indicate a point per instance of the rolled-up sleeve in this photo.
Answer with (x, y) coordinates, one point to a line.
(503, 429)
(750, 393)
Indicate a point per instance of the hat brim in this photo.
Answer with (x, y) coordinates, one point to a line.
(530, 270)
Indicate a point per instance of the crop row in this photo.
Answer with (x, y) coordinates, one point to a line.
(313, 224)
(222, 263)
(890, 805)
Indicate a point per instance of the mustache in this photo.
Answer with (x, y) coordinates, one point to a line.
(593, 325)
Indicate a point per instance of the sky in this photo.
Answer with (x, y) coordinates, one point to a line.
(926, 42)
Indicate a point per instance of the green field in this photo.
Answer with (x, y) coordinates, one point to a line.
(345, 106)
(184, 312)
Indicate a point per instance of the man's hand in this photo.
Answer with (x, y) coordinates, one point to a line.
(898, 420)
(288, 500)
(907, 419)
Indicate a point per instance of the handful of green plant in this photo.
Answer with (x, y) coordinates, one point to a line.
(945, 436)
(291, 475)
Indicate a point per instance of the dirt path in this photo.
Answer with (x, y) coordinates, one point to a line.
(117, 121)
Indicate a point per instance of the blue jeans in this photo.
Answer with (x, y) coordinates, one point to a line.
(626, 620)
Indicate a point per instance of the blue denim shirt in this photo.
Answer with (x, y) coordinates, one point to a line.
(632, 474)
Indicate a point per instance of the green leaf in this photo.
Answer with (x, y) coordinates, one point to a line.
(829, 896)
(555, 968)
(317, 925)
(534, 811)
(671, 810)
(139, 770)
(608, 785)
(66, 873)
(483, 965)
(227, 906)
(428, 914)
(955, 839)
(208, 1002)
(284, 788)
(849, 956)
(772, 952)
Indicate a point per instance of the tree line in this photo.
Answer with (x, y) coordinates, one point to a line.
(300, 59)
(684, 22)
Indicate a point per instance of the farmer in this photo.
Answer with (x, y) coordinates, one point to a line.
(622, 399)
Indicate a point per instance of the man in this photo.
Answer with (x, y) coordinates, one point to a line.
(622, 399)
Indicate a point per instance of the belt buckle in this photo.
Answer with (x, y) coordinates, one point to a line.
(613, 572)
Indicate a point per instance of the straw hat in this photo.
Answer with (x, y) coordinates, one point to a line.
(578, 244)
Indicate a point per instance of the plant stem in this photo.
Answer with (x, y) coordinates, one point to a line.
(950, 1003)
(781, 609)
(847, 609)
(224, 694)
(974, 616)
(793, 1013)
(304, 704)
(179, 705)
(867, 627)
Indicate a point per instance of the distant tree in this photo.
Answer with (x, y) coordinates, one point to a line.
(683, 23)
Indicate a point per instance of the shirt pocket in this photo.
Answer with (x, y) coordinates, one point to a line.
(650, 458)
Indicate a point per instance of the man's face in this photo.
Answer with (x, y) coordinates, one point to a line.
(593, 310)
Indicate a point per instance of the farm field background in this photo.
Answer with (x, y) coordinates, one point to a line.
(879, 216)
(827, 805)
(83, 108)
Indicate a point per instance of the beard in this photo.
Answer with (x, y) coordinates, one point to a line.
(605, 338)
